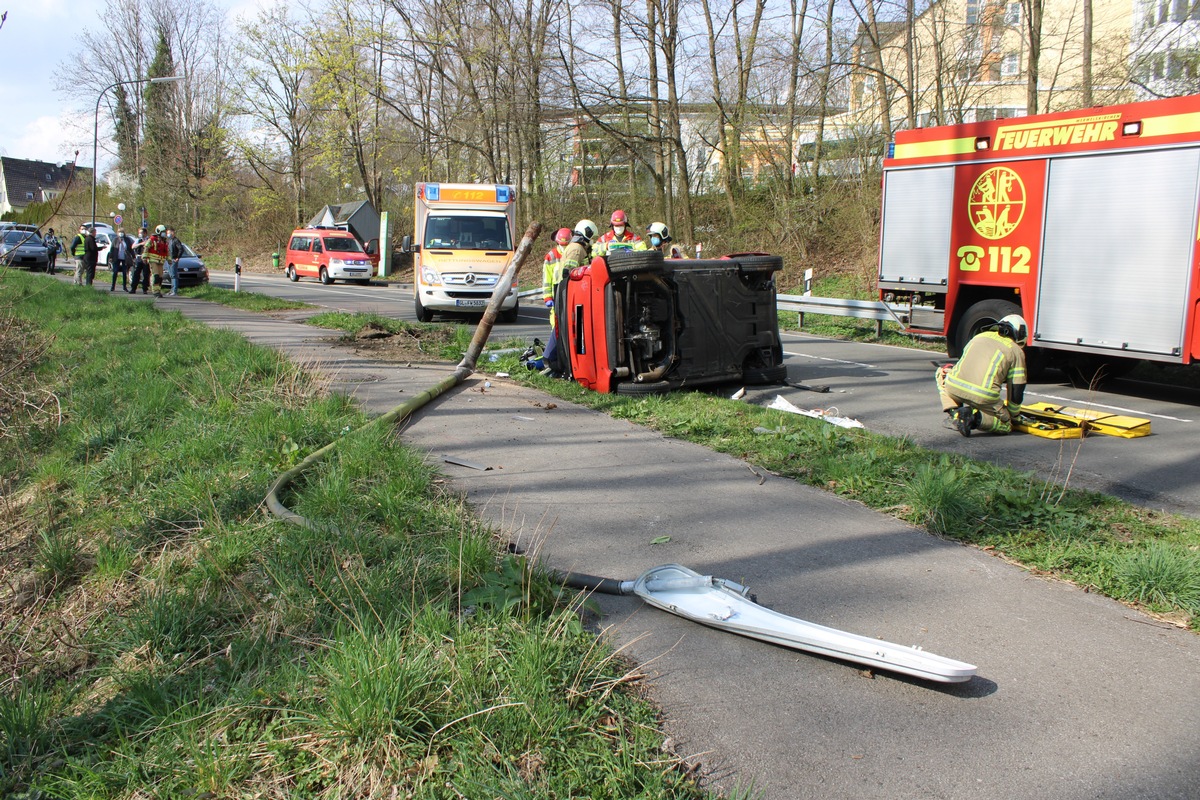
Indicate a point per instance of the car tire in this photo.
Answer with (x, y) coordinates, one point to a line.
(364, 282)
(325, 279)
(291, 274)
(633, 389)
(979, 316)
(635, 262)
(423, 313)
(510, 316)
(760, 263)
(762, 376)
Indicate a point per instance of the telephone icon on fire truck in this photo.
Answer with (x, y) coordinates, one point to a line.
(968, 257)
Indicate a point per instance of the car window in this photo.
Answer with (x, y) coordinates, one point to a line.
(343, 244)
(299, 243)
(21, 237)
(316, 246)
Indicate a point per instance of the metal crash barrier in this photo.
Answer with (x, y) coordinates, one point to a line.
(877, 310)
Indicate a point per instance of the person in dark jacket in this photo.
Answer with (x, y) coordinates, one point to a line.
(141, 269)
(86, 253)
(120, 257)
(174, 253)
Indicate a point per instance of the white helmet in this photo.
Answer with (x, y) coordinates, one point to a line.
(587, 229)
(1013, 326)
(659, 229)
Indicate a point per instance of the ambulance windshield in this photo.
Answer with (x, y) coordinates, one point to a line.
(461, 232)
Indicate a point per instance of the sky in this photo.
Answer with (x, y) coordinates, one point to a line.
(36, 121)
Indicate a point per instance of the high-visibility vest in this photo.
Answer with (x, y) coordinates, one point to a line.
(78, 245)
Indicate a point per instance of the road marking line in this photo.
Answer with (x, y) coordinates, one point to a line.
(835, 360)
(1110, 408)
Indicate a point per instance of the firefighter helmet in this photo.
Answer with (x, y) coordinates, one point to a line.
(160, 230)
(562, 236)
(659, 229)
(1013, 327)
(587, 229)
(619, 218)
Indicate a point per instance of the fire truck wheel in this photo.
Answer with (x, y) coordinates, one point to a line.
(423, 313)
(325, 279)
(761, 376)
(643, 389)
(983, 314)
(634, 262)
(291, 274)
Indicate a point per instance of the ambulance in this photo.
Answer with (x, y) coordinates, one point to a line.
(1085, 222)
(462, 240)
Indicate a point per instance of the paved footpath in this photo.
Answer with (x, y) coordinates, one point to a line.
(1077, 696)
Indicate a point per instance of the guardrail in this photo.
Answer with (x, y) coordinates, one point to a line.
(877, 310)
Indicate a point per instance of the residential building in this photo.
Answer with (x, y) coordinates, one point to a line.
(24, 182)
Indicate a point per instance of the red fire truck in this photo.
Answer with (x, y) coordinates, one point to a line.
(1086, 222)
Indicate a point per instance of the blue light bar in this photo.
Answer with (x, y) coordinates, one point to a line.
(433, 192)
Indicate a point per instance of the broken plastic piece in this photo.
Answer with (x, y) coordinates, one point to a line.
(830, 415)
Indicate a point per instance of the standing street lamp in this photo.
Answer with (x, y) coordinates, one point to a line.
(96, 127)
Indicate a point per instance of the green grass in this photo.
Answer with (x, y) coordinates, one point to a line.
(247, 301)
(446, 340)
(171, 640)
(1127, 552)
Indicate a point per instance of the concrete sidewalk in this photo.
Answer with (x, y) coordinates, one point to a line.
(1077, 696)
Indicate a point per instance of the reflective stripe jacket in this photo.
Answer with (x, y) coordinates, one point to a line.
(551, 271)
(989, 362)
(628, 238)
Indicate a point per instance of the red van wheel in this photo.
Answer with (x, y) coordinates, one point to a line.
(325, 279)
(291, 274)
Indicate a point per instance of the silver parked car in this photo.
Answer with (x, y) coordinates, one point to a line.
(23, 249)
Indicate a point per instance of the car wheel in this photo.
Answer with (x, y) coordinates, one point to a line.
(632, 389)
(510, 316)
(291, 274)
(423, 313)
(760, 376)
(324, 277)
(632, 262)
(760, 263)
(364, 282)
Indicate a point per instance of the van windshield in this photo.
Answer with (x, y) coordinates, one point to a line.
(342, 245)
(467, 233)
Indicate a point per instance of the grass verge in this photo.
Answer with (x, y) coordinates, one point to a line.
(163, 637)
(1135, 555)
(247, 301)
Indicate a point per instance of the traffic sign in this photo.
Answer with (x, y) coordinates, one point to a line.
(117, 219)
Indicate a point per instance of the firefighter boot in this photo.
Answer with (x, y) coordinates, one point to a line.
(964, 420)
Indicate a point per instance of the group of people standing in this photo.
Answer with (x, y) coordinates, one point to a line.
(574, 248)
(147, 256)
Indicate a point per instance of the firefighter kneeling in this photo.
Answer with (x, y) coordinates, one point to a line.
(970, 389)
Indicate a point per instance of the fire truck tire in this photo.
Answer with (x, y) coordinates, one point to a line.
(632, 389)
(291, 274)
(324, 277)
(979, 316)
(761, 376)
(633, 262)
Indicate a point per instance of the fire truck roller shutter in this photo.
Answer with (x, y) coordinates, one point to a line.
(917, 220)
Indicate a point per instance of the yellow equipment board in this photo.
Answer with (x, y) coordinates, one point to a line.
(1086, 420)
(1047, 428)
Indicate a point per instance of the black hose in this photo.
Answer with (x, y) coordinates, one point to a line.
(593, 583)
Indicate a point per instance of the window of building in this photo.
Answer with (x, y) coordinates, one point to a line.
(1194, 11)
(1164, 11)
(49, 177)
(1179, 10)
(1011, 65)
(29, 195)
(1012, 14)
(1157, 66)
(973, 7)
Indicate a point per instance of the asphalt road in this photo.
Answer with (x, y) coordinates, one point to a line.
(890, 390)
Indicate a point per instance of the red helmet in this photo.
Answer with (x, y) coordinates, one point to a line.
(619, 218)
(563, 236)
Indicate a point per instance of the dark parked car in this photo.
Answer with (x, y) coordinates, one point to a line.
(192, 271)
(25, 249)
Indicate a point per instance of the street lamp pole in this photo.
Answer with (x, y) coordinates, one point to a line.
(96, 126)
